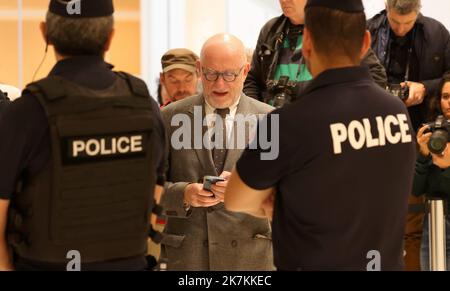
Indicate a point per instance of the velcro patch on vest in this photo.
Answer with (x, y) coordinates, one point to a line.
(104, 148)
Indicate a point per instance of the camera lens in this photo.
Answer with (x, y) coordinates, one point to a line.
(279, 100)
(438, 141)
(405, 93)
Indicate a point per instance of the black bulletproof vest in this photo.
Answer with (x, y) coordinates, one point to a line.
(95, 195)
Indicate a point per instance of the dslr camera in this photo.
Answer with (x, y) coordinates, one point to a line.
(398, 91)
(440, 135)
(282, 91)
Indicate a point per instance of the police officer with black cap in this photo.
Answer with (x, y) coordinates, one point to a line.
(346, 154)
(81, 157)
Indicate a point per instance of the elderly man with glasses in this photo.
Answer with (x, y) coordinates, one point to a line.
(200, 234)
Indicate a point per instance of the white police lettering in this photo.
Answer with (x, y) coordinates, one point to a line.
(136, 144)
(92, 147)
(391, 129)
(120, 145)
(77, 147)
(107, 146)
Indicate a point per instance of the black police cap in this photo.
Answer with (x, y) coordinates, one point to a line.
(82, 8)
(342, 5)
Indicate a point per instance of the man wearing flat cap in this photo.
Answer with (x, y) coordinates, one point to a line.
(346, 155)
(179, 74)
(81, 156)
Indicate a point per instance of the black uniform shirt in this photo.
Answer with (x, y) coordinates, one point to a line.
(342, 183)
(25, 137)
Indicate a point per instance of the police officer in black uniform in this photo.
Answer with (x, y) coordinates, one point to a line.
(346, 155)
(81, 155)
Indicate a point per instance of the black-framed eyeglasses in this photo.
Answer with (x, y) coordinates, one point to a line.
(213, 76)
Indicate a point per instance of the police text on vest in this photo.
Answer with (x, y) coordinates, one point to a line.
(391, 130)
(107, 146)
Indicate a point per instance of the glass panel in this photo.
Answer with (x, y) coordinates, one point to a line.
(124, 52)
(8, 46)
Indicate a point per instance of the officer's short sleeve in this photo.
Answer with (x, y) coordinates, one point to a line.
(22, 127)
(266, 159)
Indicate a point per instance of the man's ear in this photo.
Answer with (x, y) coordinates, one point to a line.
(109, 41)
(307, 44)
(162, 79)
(246, 69)
(366, 44)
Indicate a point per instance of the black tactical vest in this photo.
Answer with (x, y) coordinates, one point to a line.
(95, 195)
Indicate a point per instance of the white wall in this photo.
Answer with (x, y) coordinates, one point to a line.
(438, 9)
(246, 18)
(204, 19)
(373, 7)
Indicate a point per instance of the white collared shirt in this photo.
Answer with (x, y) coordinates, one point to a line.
(229, 120)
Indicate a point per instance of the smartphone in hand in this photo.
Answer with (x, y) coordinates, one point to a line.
(208, 181)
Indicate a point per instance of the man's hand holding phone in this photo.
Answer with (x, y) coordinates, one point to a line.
(219, 185)
(208, 194)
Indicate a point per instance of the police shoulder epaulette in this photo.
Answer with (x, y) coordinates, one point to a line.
(52, 88)
(137, 86)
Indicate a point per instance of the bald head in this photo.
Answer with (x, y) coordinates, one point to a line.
(224, 45)
(223, 55)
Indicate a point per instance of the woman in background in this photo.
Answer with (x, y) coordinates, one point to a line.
(430, 180)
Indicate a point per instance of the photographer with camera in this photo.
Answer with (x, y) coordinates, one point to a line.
(279, 73)
(432, 176)
(415, 51)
